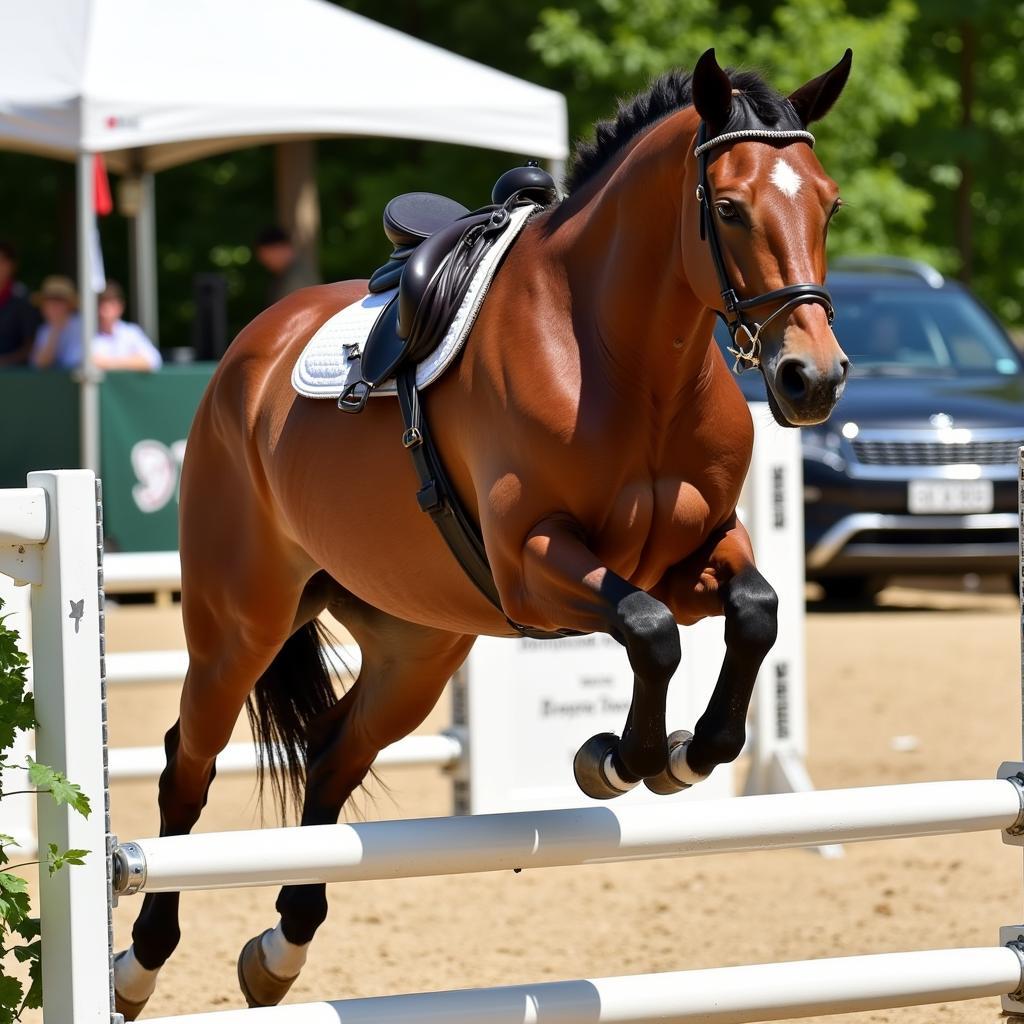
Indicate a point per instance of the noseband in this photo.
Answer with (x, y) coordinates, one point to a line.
(734, 317)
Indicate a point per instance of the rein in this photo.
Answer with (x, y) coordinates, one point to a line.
(734, 317)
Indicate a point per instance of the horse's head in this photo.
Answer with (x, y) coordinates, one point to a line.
(755, 236)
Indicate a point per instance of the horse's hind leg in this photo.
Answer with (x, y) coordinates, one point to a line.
(224, 665)
(404, 670)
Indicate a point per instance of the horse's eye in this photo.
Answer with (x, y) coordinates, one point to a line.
(727, 211)
(836, 207)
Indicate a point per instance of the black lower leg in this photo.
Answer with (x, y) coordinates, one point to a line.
(651, 636)
(751, 625)
(155, 934)
(329, 783)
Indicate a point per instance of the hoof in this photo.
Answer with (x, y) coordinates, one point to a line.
(669, 781)
(595, 771)
(259, 985)
(128, 1009)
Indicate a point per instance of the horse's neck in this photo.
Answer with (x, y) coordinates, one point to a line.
(625, 268)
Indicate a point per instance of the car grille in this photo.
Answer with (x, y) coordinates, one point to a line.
(936, 453)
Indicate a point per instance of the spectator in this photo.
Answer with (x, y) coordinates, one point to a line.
(120, 345)
(58, 341)
(18, 320)
(117, 346)
(276, 254)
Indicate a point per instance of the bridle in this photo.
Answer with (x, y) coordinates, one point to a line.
(735, 308)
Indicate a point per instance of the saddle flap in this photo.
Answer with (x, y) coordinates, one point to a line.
(384, 349)
(414, 216)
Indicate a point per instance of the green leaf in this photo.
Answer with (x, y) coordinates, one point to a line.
(24, 954)
(55, 860)
(63, 792)
(34, 996)
(11, 995)
(14, 899)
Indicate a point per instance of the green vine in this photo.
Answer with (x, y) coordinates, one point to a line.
(19, 930)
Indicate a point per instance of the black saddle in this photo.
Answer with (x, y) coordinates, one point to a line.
(438, 244)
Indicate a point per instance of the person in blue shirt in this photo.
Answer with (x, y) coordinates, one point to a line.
(58, 343)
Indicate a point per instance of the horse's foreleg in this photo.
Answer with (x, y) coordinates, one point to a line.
(751, 624)
(404, 670)
(564, 585)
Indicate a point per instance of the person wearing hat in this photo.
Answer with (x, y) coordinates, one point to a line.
(117, 345)
(58, 343)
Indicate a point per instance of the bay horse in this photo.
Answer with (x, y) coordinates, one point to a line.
(591, 427)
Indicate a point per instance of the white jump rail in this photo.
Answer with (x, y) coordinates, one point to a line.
(543, 839)
(720, 995)
(147, 572)
(129, 668)
(443, 750)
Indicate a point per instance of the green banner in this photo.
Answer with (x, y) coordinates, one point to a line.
(144, 421)
(38, 423)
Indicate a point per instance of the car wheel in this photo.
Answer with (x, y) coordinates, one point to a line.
(850, 589)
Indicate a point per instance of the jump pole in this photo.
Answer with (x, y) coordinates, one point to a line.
(722, 995)
(587, 835)
(443, 750)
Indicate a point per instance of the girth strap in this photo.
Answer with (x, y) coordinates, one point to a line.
(438, 499)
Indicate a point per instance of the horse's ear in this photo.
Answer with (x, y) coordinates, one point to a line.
(712, 92)
(814, 100)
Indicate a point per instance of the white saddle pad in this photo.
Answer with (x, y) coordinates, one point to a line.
(330, 360)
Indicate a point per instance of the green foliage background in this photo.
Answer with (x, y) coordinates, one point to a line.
(897, 142)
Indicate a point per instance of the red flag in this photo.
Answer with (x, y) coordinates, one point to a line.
(101, 197)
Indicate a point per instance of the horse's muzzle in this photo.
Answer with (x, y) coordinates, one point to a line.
(804, 390)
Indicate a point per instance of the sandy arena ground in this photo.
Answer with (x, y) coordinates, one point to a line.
(939, 667)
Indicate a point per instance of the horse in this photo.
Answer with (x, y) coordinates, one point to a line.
(592, 429)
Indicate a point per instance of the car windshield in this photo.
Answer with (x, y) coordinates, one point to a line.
(906, 332)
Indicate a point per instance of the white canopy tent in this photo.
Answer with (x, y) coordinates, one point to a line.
(153, 84)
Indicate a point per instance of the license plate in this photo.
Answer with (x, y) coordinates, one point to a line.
(931, 496)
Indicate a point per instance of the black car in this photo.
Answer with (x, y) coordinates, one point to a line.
(915, 472)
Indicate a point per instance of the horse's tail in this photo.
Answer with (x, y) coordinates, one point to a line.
(295, 689)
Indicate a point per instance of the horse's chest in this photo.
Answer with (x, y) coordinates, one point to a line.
(652, 524)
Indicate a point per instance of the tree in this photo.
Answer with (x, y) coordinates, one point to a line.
(615, 46)
(967, 148)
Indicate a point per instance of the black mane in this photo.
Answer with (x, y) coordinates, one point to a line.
(757, 105)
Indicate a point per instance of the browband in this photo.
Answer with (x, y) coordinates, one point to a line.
(752, 133)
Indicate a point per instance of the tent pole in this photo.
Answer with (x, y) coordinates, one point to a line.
(89, 387)
(144, 258)
(297, 202)
(557, 171)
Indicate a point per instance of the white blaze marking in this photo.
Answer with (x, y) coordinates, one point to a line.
(786, 179)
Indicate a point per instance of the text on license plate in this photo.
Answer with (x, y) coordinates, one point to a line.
(924, 496)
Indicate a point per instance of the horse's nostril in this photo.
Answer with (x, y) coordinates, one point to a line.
(792, 380)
